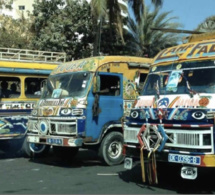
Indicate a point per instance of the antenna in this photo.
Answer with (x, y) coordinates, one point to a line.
(177, 30)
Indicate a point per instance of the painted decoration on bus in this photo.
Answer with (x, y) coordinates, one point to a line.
(180, 101)
(13, 118)
(58, 107)
(187, 51)
(16, 105)
(12, 126)
(89, 64)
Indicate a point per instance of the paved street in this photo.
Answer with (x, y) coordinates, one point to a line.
(86, 175)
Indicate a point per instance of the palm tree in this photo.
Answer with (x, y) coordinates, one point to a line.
(146, 42)
(110, 10)
(138, 7)
(208, 25)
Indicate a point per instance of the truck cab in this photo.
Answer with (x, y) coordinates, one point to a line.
(83, 103)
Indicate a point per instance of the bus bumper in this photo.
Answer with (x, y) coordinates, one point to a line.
(55, 140)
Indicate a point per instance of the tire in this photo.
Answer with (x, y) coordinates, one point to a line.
(65, 153)
(34, 150)
(111, 149)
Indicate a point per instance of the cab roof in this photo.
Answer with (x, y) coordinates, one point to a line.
(198, 47)
(93, 63)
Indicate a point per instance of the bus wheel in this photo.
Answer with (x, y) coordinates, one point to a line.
(111, 149)
(67, 153)
(35, 150)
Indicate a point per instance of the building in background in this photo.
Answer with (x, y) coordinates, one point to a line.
(19, 8)
(23, 7)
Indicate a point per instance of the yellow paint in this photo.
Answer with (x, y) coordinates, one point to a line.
(27, 65)
(198, 47)
(208, 161)
(117, 64)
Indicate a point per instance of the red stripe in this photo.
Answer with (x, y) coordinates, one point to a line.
(180, 125)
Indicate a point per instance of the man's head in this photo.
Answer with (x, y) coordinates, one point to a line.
(4, 85)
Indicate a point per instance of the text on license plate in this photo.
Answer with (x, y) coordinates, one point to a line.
(178, 158)
(56, 141)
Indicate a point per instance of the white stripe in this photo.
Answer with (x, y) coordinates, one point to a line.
(134, 123)
(107, 174)
(131, 146)
(176, 125)
(194, 125)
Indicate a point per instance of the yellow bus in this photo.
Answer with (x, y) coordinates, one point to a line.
(21, 74)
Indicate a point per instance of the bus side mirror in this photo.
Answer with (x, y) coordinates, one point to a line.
(96, 84)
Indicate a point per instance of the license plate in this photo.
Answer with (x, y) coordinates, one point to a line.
(178, 158)
(55, 141)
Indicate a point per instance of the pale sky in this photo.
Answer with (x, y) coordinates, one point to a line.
(189, 12)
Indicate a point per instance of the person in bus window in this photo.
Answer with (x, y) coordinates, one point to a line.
(13, 89)
(4, 89)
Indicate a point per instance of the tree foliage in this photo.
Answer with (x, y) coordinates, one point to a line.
(138, 7)
(146, 42)
(15, 33)
(6, 3)
(110, 11)
(208, 25)
(63, 26)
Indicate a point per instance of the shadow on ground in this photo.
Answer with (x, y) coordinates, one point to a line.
(83, 158)
(169, 178)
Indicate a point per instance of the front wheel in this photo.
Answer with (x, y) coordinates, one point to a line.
(34, 150)
(111, 149)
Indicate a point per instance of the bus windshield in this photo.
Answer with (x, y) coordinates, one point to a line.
(67, 85)
(182, 78)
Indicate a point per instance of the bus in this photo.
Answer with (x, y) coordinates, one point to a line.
(21, 73)
(83, 103)
(173, 118)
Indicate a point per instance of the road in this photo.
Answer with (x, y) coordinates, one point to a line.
(87, 175)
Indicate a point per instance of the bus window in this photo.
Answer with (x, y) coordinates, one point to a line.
(10, 87)
(32, 87)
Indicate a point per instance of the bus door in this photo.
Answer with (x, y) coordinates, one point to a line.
(106, 105)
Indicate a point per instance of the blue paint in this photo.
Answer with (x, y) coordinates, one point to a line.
(111, 108)
(81, 126)
(25, 71)
(43, 127)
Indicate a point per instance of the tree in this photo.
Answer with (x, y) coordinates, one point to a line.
(6, 4)
(64, 27)
(15, 33)
(208, 25)
(111, 11)
(138, 7)
(146, 42)
(106, 12)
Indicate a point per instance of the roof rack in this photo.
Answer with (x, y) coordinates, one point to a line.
(25, 55)
(201, 37)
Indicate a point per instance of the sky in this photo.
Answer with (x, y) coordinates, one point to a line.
(190, 13)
